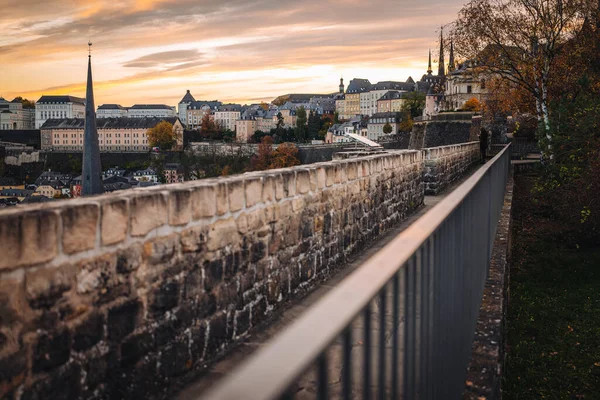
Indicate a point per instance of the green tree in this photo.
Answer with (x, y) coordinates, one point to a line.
(301, 125)
(314, 123)
(25, 102)
(336, 118)
(387, 128)
(414, 103)
(279, 127)
(162, 136)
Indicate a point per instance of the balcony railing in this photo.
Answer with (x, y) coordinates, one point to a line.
(402, 325)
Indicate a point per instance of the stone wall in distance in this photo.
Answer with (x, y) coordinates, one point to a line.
(121, 295)
(445, 165)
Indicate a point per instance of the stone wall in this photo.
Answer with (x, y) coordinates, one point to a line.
(444, 130)
(307, 153)
(445, 165)
(123, 295)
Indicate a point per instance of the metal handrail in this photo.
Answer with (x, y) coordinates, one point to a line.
(429, 263)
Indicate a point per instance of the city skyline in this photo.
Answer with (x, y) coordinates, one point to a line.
(239, 51)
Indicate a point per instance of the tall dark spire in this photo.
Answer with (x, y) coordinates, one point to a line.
(429, 70)
(91, 175)
(342, 85)
(441, 67)
(451, 66)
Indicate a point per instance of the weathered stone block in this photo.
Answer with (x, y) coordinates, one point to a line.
(115, 221)
(222, 233)
(242, 322)
(235, 193)
(217, 333)
(148, 212)
(204, 202)
(289, 183)
(79, 227)
(193, 239)
(161, 250)
(122, 320)
(175, 359)
(253, 188)
(63, 383)
(51, 350)
(164, 298)
(268, 192)
(279, 191)
(222, 198)
(130, 259)
(28, 238)
(13, 370)
(45, 286)
(302, 181)
(135, 347)
(180, 209)
(213, 273)
(88, 332)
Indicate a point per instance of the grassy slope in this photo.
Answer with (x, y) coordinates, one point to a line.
(554, 312)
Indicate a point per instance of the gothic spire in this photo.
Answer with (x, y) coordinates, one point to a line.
(91, 175)
(441, 67)
(429, 70)
(342, 85)
(451, 66)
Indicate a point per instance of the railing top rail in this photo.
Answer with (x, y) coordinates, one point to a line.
(267, 374)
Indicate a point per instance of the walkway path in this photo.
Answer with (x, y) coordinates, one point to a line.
(307, 386)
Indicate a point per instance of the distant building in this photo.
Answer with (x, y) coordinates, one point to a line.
(463, 85)
(111, 111)
(379, 120)
(340, 106)
(182, 107)
(51, 189)
(173, 173)
(368, 100)
(355, 88)
(14, 117)
(57, 107)
(226, 115)
(114, 134)
(198, 109)
(244, 129)
(146, 175)
(151, 111)
(392, 101)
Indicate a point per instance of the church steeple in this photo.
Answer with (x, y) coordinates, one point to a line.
(441, 67)
(91, 175)
(342, 87)
(429, 70)
(451, 66)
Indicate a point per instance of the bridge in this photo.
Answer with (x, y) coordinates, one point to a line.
(129, 295)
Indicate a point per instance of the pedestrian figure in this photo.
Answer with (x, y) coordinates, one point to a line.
(483, 144)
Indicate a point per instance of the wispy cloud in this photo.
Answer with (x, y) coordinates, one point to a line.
(231, 49)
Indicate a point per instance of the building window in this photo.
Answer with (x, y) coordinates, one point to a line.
(469, 89)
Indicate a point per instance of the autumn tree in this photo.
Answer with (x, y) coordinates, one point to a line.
(519, 41)
(387, 128)
(263, 158)
(162, 136)
(208, 127)
(406, 124)
(284, 156)
(472, 105)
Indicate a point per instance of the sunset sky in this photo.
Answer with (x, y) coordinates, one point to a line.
(151, 51)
